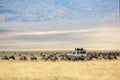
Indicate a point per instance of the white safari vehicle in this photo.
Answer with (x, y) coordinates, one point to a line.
(78, 52)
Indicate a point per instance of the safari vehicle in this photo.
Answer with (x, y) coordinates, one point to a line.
(77, 52)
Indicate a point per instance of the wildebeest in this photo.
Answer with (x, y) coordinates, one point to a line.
(24, 58)
(33, 58)
(12, 57)
(112, 56)
(53, 58)
(89, 57)
(5, 57)
(45, 58)
(109, 56)
(49, 57)
(62, 57)
(82, 58)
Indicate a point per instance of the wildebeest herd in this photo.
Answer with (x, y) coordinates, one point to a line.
(57, 56)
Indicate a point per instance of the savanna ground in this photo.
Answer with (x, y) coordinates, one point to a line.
(60, 70)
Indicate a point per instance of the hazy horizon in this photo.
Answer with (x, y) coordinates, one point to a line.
(59, 24)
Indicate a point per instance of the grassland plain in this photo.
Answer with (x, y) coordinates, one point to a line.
(60, 70)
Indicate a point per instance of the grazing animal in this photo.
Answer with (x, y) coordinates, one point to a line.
(109, 56)
(63, 57)
(44, 58)
(82, 58)
(12, 57)
(49, 57)
(89, 57)
(5, 57)
(115, 56)
(105, 56)
(24, 58)
(33, 58)
(53, 58)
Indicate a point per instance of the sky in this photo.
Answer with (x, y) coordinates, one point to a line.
(59, 24)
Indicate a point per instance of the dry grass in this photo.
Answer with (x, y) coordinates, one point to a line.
(60, 70)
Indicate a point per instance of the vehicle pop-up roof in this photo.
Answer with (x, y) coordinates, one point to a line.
(79, 49)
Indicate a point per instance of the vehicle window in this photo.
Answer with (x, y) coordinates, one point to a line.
(83, 52)
(73, 52)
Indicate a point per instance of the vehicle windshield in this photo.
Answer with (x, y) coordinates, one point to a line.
(71, 52)
(83, 52)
